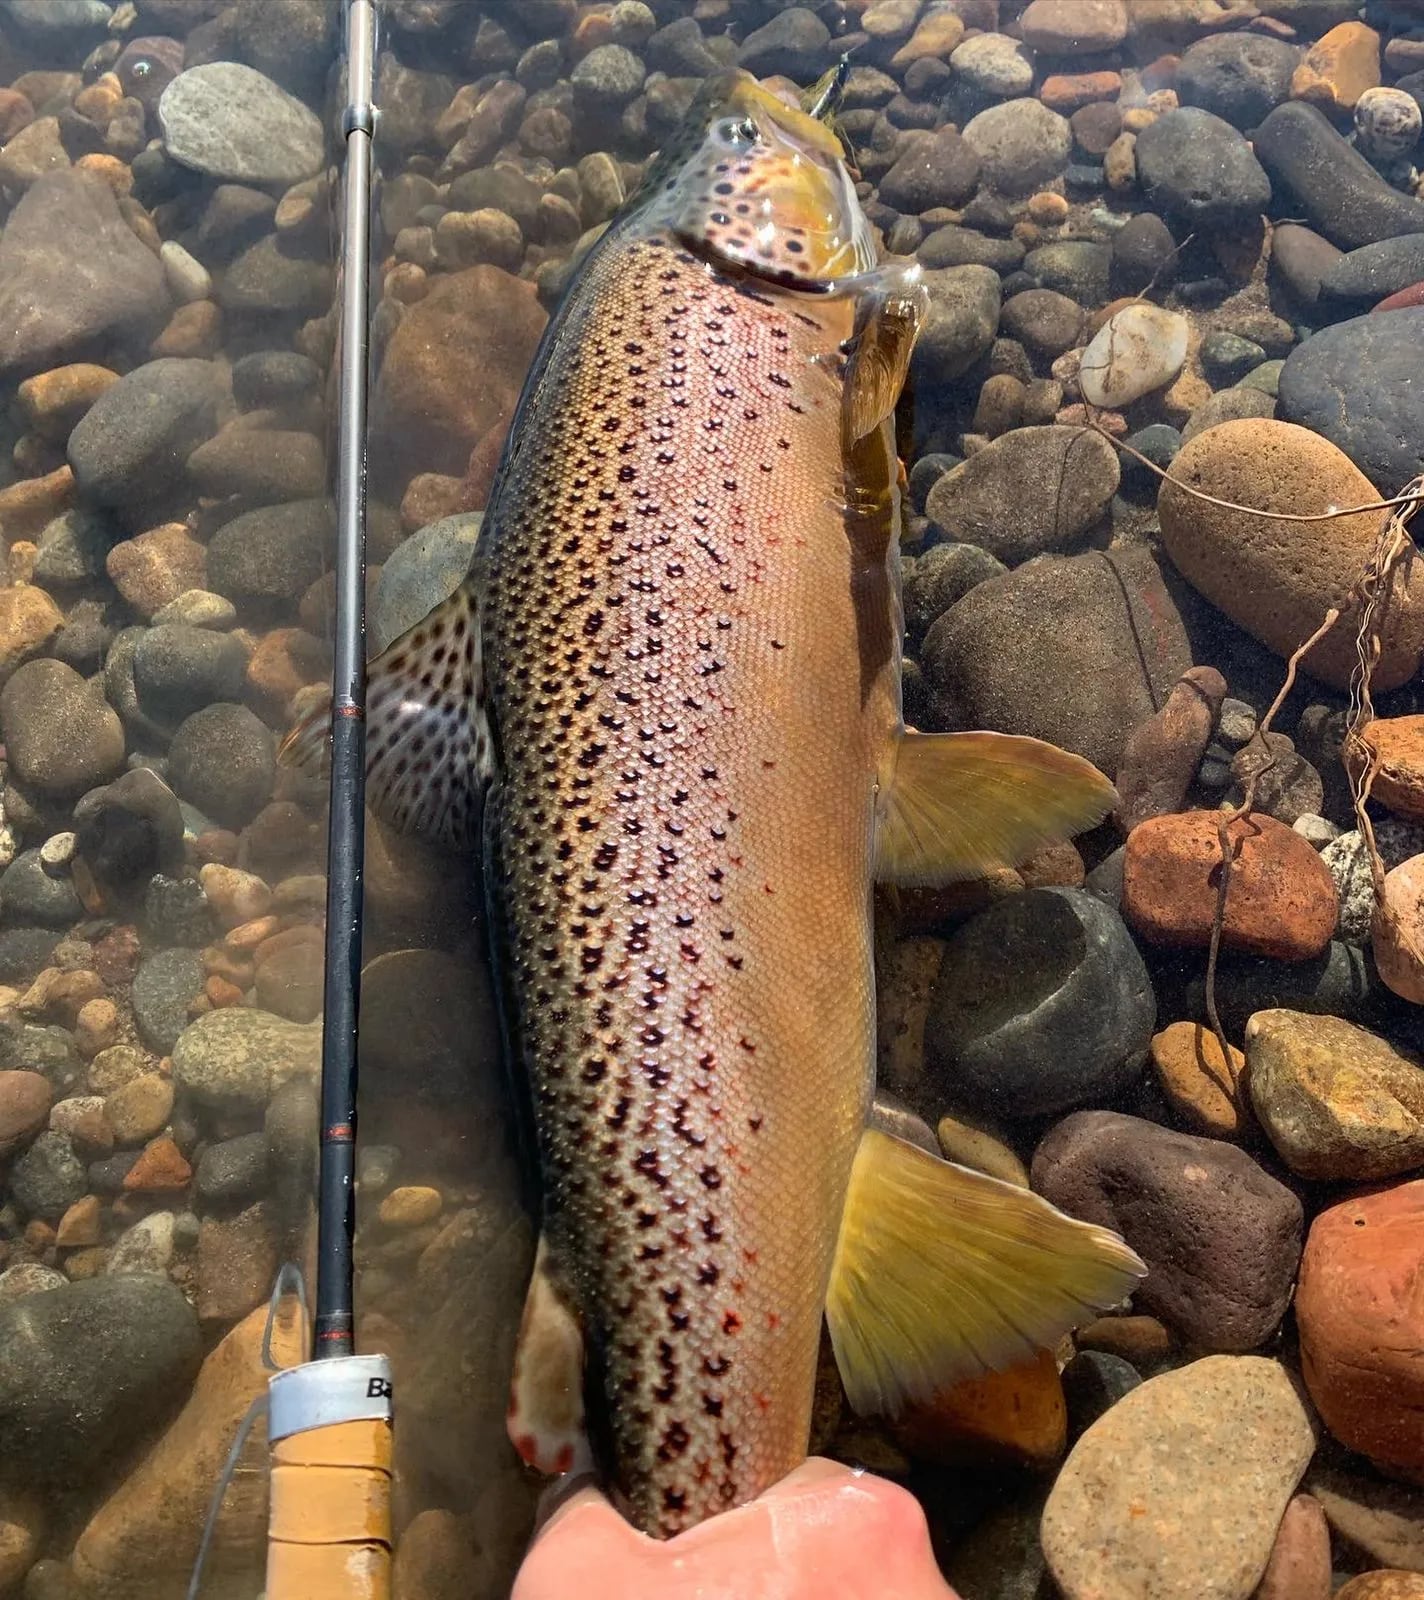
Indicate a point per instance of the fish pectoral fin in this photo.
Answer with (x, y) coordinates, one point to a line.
(942, 1274)
(889, 321)
(429, 748)
(546, 1414)
(957, 804)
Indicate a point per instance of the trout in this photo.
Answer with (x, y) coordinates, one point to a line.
(664, 708)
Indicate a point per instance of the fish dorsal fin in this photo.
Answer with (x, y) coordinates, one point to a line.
(957, 804)
(881, 348)
(942, 1274)
(429, 749)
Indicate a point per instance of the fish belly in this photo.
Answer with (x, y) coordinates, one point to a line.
(688, 701)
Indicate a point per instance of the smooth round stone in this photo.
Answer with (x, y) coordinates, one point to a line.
(1226, 357)
(1139, 349)
(1044, 321)
(233, 1171)
(1199, 168)
(61, 737)
(944, 574)
(1074, 27)
(147, 1247)
(794, 43)
(607, 78)
(178, 670)
(1021, 145)
(1375, 271)
(188, 279)
(197, 608)
(995, 64)
(1201, 1088)
(1239, 77)
(1387, 124)
(1337, 1102)
(1159, 442)
(420, 573)
(1042, 1003)
(129, 829)
(31, 895)
(48, 1178)
(1143, 253)
(231, 122)
(1180, 1487)
(270, 557)
(233, 1059)
(223, 760)
(1093, 1382)
(24, 1105)
(164, 987)
(960, 324)
(1078, 268)
(932, 169)
(273, 378)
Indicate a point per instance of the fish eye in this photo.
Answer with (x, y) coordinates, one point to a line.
(737, 130)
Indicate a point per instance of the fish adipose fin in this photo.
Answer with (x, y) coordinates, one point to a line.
(546, 1416)
(429, 750)
(942, 1274)
(957, 804)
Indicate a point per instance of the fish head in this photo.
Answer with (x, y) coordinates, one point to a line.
(759, 185)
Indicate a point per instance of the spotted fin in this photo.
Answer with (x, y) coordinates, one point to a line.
(429, 749)
(956, 804)
(887, 325)
(546, 1415)
(943, 1274)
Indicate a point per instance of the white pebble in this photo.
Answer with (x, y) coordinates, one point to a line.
(57, 851)
(187, 277)
(1140, 349)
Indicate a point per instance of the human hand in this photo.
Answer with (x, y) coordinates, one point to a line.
(823, 1533)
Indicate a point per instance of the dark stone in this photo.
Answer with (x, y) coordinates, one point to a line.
(1042, 1003)
(795, 44)
(1220, 1236)
(1044, 321)
(1239, 77)
(1159, 442)
(106, 1177)
(164, 986)
(48, 1178)
(680, 50)
(943, 574)
(1375, 271)
(29, 895)
(233, 1171)
(960, 325)
(1226, 358)
(234, 217)
(27, 1047)
(73, 548)
(270, 557)
(1302, 257)
(129, 830)
(1078, 268)
(178, 670)
(263, 278)
(24, 953)
(934, 169)
(953, 246)
(223, 761)
(274, 378)
(1093, 1383)
(176, 912)
(1200, 169)
(1341, 193)
(926, 472)
(1095, 127)
(60, 735)
(1357, 383)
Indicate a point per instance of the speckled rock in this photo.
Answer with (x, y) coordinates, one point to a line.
(1179, 1489)
(60, 735)
(234, 1059)
(1021, 145)
(1383, 1585)
(1220, 1236)
(1239, 77)
(228, 121)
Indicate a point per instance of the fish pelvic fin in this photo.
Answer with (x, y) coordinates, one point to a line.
(429, 745)
(943, 1274)
(892, 311)
(546, 1413)
(957, 804)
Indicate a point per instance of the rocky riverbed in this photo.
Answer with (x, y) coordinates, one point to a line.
(1197, 226)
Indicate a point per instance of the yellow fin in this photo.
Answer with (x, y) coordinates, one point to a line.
(957, 804)
(880, 355)
(942, 1274)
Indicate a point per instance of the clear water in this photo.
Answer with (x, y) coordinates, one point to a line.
(166, 616)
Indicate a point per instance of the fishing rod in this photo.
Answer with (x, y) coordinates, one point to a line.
(329, 1419)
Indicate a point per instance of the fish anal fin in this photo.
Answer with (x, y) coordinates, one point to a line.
(957, 804)
(546, 1413)
(429, 748)
(888, 323)
(943, 1274)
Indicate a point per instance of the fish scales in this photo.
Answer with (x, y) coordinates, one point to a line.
(677, 654)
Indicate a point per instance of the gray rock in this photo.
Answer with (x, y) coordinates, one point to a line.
(228, 121)
(419, 574)
(271, 556)
(960, 324)
(176, 911)
(164, 986)
(794, 43)
(607, 78)
(90, 1372)
(1074, 474)
(146, 1247)
(233, 1171)
(24, 952)
(60, 736)
(27, 1047)
(1357, 383)
(235, 1059)
(1302, 257)
(132, 443)
(1021, 145)
(932, 169)
(29, 895)
(1106, 621)
(680, 50)
(264, 278)
(259, 466)
(1042, 1003)
(178, 670)
(28, 1277)
(274, 378)
(74, 278)
(48, 1178)
(943, 574)
(1078, 268)
(1043, 321)
(74, 24)
(1341, 193)
(1227, 405)
(994, 64)
(1226, 358)
(129, 830)
(1240, 77)
(953, 246)
(1375, 270)
(73, 548)
(1200, 169)
(223, 760)
(1220, 1236)
(1143, 253)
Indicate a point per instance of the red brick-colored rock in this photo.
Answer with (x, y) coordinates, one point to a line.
(1395, 747)
(1281, 901)
(1065, 92)
(1361, 1320)
(160, 1169)
(1299, 1568)
(1401, 299)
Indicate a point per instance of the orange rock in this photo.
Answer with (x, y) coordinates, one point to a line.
(160, 1169)
(52, 402)
(79, 1226)
(25, 507)
(29, 619)
(1202, 1090)
(24, 1105)
(286, 660)
(1392, 1583)
(194, 330)
(1361, 1320)
(1397, 930)
(1016, 1416)
(429, 496)
(1281, 901)
(1068, 91)
(1299, 1568)
(1394, 746)
(938, 35)
(1338, 68)
(157, 566)
(1140, 1339)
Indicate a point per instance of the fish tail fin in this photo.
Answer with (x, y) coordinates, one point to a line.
(429, 746)
(546, 1412)
(956, 804)
(942, 1274)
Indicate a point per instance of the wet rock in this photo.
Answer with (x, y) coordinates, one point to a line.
(1276, 579)
(273, 464)
(1286, 785)
(48, 1178)
(1139, 349)
(73, 548)
(1201, 170)
(1142, 253)
(1383, 1520)
(1337, 1101)
(933, 169)
(24, 1105)
(1078, 268)
(982, 502)
(178, 670)
(1093, 1382)
(794, 43)
(1362, 1326)
(1341, 193)
(1302, 257)
(1353, 384)
(163, 988)
(91, 1369)
(156, 567)
(60, 736)
(1280, 901)
(960, 324)
(1387, 125)
(421, 572)
(1239, 77)
(1021, 145)
(1093, 615)
(265, 279)
(229, 122)
(1179, 1489)
(146, 1248)
(1299, 1568)
(1074, 27)
(1043, 321)
(1206, 1092)
(1162, 756)
(132, 443)
(236, 1261)
(73, 276)
(607, 78)
(1375, 271)
(232, 1171)
(944, 574)
(139, 1109)
(233, 1059)
(1398, 1585)
(1338, 68)
(271, 556)
(30, 894)
(223, 760)
(129, 830)
(1042, 1003)
(994, 64)
(29, 619)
